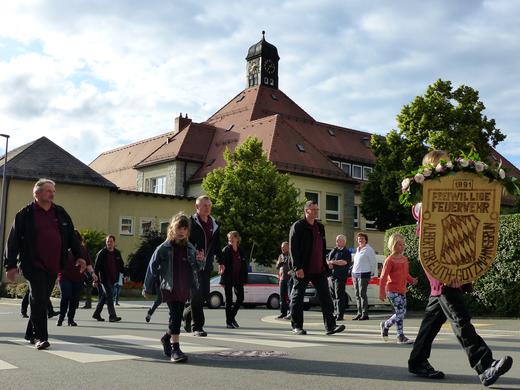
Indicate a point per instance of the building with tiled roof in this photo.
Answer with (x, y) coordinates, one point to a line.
(326, 162)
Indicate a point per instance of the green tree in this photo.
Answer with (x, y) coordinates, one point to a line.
(138, 261)
(250, 196)
(443, 118)
(95, 241)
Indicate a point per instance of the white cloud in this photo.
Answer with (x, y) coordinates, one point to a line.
(92, 75)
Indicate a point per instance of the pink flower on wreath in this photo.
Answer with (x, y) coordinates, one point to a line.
(419, 178)
(463, 162)
(502, 173)
(405, 184)
(427, 172)
(479, 166)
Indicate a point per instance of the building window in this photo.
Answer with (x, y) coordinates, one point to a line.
(163, 228)
(300, 147)
(146, 224)
(332, 204)
(370, 225)
(346, 167)
(366, 172)
(357, 172)
(157, 185)
(331, 131)
(337, 163)
(356, 217)
(126, 226)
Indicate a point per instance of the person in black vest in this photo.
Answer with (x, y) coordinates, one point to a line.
(109, 263)
(233, 277)
(339, 260)
(40, 237)
(307, 247)
(284, 267)
(205, 237)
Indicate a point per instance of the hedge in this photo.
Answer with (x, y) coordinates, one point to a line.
(497, 292)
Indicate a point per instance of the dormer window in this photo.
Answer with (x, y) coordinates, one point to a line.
(229, 128)
(300, 147)
(331, 131)
(274, 97)
(240, 99)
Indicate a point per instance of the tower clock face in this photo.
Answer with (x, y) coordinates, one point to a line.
(253, 67)
(269, 66)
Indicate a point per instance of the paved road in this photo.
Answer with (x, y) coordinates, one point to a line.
(128, 355)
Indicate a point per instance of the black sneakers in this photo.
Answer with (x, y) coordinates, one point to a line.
(336, 329)
(200, 333)
(235, 324)
(42, 345)
(167, 347)
(384, 331)
(498, 368)
(178, 356)
(98, 317)
(114, 319)
(425, 370)
(299, 331)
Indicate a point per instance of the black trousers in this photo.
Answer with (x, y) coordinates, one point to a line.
(174, 325)
(25, 304)
(232, 308)
(198, 296)
(69, 291)
(337, 290)
(321, 284)
(106, 295)
(41, 284)
(450, 305)
(284, 297)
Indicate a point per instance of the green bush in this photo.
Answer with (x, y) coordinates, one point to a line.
(497, 292)
(138, 261)
(94, 240)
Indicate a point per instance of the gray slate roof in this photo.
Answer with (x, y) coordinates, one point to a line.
(43, 158)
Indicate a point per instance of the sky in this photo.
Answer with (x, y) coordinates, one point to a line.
(94, 75)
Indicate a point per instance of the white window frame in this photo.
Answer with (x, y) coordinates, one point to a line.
(360, 177)
(349, 165)
(338, 212)
(338, 163)
(164, 221)
(367, 223)
(369, 169)
(153, 184)
(125, 232)
(356, 216)
(143, 220)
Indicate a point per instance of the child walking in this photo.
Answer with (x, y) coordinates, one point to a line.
(174, 264)
(393, 285)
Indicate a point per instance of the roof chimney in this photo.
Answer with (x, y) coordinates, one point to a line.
(181, 122)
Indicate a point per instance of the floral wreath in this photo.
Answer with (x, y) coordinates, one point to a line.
(411, 186)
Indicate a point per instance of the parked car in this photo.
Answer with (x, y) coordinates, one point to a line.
(311, 298)
(261, 289)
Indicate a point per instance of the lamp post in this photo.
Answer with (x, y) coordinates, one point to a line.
(3, 203)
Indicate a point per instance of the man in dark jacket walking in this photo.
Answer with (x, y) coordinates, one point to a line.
(205, 237)
(40, 237)
(308, 250)
(109, 264)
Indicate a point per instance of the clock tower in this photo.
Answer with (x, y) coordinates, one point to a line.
(262, 64)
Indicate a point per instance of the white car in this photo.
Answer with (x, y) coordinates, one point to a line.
(261, 289)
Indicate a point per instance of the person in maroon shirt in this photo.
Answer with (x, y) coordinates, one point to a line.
(70, 282)
(233, 277)
(40, 237)
(174, 265)
(109, 264)
(307, 247)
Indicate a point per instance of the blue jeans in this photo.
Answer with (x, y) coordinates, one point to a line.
(69, 292)
(117, 291)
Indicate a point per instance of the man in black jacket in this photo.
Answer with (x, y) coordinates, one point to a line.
(40, 237)
(109, 264)
(205, 236)
(308, 250)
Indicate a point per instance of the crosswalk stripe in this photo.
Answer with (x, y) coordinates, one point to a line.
(264, 342)
(154, 343)
(6, 366)
(81, 353)
(313, 337)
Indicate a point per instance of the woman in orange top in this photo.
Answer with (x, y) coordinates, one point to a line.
(393, 285)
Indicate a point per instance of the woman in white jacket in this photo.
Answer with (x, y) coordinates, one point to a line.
(364, 267)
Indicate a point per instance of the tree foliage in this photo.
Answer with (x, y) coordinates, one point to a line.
(443, 118)
(94, 240)
(250, 196)
(138, 261)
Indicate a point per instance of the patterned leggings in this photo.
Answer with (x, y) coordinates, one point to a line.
(399, 303)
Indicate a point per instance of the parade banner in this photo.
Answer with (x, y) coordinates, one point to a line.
(459, 226)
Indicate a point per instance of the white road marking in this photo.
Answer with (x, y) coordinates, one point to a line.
(80, 353)
(6, 366)
(264, 342)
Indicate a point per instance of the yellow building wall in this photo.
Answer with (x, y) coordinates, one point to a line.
(140, 207)
(323, 187)
(376, 238)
